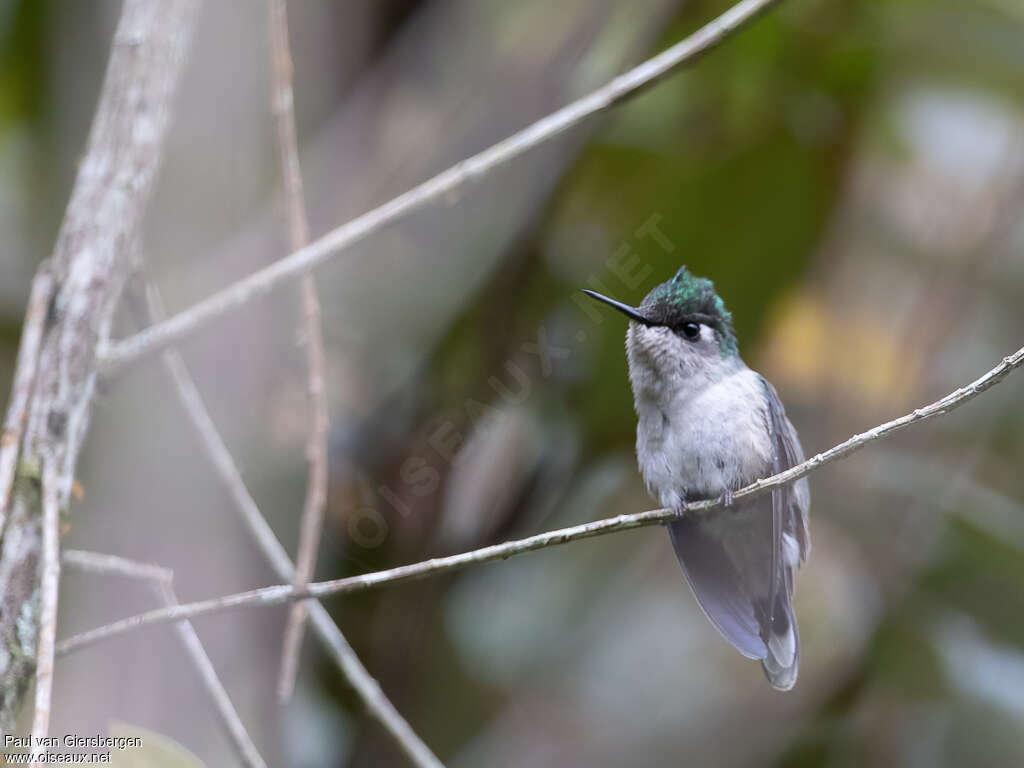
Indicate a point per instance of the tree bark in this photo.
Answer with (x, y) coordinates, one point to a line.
(89, 268)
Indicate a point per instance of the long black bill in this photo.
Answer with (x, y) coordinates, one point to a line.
(631, 312)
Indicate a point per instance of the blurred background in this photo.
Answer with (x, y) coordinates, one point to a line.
(851, 176)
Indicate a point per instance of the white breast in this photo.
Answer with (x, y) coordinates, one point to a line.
(703, 441)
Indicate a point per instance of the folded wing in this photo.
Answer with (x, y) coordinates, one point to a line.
(739, 562)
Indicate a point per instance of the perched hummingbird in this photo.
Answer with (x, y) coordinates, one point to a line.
(707, 425)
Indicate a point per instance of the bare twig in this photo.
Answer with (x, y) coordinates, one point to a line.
(95, 562)
(280, 594)
(89, 267)
(229, 718)
(47, 604)
(113, 184)
(445, 183)
(161, 580)
(24, 378)
(311, 526)
(366, 687)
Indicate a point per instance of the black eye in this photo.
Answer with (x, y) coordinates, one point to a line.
(691, 331)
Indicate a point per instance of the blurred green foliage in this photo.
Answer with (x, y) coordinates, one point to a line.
(743, 158)
(740, 158)
(976, 563)
(22, 61)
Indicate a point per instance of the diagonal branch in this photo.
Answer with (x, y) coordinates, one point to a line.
(312, 523)
(297, 264)
(161, 579)
(230, 720)
(277, 595)
(366, 687)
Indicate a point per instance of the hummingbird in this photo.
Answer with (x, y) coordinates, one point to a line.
(708, 425)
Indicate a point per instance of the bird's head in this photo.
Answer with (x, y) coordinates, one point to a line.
(681, 328)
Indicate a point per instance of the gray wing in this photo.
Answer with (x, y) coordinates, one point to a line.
(791, 545)
(794, 500)
(739, 562)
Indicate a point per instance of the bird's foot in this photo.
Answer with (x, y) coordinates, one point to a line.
(726, 498)
(680, 510)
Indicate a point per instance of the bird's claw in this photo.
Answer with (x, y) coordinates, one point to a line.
(680, 510)
(726, 498)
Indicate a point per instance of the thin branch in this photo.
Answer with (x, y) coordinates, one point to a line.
(366, 687)
(311, 526)
(161, 581)
(24, 379)
(283, 103)
(47, 603)
(257, 285)
(229, 717)
(283, 593)
(95, 562)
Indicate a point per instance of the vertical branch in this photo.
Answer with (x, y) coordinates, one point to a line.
(89, 268)
(48, 603)
(24, 378)
(311, 526)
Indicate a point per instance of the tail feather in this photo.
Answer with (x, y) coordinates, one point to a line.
(782, 660)
(727, 558)
(718, 586)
